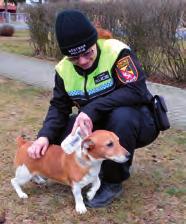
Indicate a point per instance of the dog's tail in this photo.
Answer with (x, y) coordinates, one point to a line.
(20, 141)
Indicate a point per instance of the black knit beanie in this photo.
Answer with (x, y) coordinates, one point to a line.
(74, 32)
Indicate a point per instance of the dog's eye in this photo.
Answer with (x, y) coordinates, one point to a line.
(110, 144)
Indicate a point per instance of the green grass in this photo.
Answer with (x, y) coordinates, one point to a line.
(22, 33)
(176, 191)
(155, 193)
(19, 43)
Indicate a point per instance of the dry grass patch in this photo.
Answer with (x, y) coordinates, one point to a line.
(155, 194)
(19, 43)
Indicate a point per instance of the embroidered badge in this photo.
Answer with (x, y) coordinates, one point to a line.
(126, 70)
(101, 77)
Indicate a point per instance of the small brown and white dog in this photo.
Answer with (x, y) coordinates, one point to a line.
(77, 169)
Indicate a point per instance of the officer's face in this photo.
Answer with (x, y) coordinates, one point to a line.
(86, 59)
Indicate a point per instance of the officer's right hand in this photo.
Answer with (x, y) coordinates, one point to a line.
(38, 147)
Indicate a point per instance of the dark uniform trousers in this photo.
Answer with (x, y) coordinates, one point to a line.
(135, 128)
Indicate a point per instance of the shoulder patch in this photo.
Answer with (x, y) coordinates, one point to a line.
(126, 70)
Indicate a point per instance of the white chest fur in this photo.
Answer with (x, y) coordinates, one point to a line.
(92, 177)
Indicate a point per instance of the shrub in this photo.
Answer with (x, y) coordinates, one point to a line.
(173, 49)
(140, 25)
(147, 26)
(7, 30)
(41, 22)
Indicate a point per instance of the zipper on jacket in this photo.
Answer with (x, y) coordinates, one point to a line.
(85, 83)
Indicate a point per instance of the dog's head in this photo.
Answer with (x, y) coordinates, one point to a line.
(102, 144)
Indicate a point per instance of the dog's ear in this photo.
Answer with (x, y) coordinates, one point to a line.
(87, 143)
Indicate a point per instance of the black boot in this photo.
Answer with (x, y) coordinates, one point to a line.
(105, 195)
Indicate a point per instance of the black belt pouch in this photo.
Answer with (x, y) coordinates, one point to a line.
(160, 113)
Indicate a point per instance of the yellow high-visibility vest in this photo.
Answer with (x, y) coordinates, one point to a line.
(100, 81)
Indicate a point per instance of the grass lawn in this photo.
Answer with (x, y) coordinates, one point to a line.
(19, 43)
(155, 193)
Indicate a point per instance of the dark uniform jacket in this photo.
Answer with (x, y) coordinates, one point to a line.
(132, 94)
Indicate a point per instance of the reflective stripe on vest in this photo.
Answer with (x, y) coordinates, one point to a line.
(100, 81)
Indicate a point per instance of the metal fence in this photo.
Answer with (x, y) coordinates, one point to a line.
(13, 17)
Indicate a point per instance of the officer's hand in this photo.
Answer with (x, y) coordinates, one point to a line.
(38, 148)
(85, 123)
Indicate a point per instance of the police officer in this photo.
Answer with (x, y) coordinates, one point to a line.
(104, 78)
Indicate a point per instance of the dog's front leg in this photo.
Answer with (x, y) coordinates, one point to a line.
(95, 186)
(80, 206)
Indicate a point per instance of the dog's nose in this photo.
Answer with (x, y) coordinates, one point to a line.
(128, 155)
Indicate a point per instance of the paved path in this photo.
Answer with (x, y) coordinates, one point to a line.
(41, 73)
(30, 70)
(17, 26)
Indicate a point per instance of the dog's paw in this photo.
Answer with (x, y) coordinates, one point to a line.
(81, 209)
(23, 195)
(90, 195)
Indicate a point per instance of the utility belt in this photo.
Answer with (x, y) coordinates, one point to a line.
(159, 110)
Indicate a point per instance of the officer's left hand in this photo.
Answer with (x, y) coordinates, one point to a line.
(85, 123)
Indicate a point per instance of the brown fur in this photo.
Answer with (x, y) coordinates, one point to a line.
(103, 33)
(62, 167)
(55, 164)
